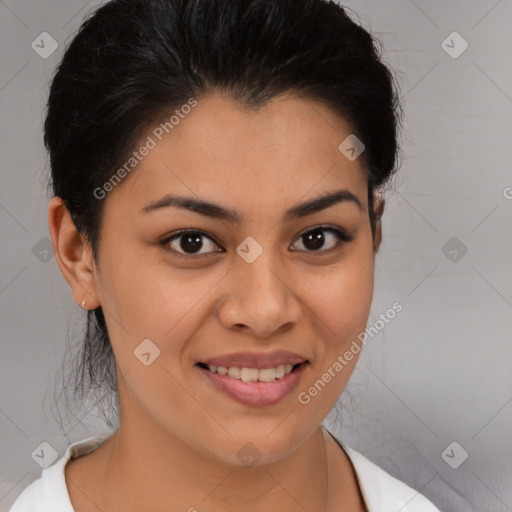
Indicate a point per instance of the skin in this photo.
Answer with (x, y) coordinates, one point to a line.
(179, 436)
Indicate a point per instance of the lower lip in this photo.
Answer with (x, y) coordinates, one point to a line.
(256, 393)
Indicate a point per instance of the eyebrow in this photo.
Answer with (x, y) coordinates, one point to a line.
(217, 211)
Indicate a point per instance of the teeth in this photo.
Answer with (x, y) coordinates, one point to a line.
(253, 374)
(266, 374)
(248, 374)
(234, 372)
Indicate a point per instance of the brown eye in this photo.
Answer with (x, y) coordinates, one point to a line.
(315, 240)
(188, 244)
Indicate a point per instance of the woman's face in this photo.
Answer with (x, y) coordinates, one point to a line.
(263, 285)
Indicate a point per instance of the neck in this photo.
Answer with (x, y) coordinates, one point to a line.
(148, 471)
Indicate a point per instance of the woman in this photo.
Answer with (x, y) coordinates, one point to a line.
(217, 170)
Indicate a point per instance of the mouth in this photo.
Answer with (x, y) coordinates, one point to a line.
(255, 387)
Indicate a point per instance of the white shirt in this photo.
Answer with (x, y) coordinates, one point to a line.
(381, 491)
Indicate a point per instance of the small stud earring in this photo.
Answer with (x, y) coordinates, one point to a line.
(83, 304)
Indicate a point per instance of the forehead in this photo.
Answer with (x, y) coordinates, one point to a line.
(281, 152)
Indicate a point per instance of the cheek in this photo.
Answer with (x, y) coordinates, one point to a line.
(342, 298)
(156, 302)
(157, 311)
(340, 306)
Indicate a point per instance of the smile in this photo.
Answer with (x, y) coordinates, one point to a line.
(253, 386)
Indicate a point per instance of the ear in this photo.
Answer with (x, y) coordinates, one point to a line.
(72, 253)
(379, 202)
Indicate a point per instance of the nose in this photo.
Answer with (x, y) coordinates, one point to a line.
(259, 299)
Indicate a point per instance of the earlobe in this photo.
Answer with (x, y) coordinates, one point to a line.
(72, 253)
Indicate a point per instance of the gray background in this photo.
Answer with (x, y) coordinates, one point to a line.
(439, 372)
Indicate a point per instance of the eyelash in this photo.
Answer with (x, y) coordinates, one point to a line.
(341, 235)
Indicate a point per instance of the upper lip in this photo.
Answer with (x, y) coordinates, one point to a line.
(256, 360)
